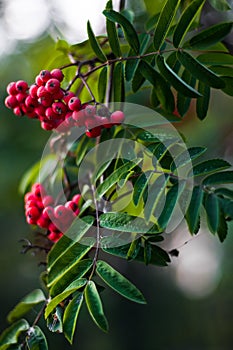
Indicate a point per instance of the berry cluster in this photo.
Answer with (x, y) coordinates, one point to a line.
(55, 107)
(40, 210)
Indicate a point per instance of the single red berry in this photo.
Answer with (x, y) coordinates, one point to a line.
(11, 88)
(31, 221)
(30, 203)
(48, 212)
(33, 91)
(50, 114)
(21, 86)
(60, 211)
(117, 117)
(29, 197)
(59, 108)
(67, 96)
(21, 96)
(47, 126)
(52, 227)
(95, 132)
(40, 110)
(46, 100)
(52, 86)
(39, 81)
(11, 101)
(57, 74)
(77, 211)
(42, 91)
(33, 213)
(45, 75)
(74, 104)
(58, 95)
(71, 205)
(54, 236)
(43, 221)
(18, 111)
(31, 102)
(76, 198)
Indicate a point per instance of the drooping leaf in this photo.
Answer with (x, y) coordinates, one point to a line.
(214, 58)
(228, 89)
(187, 156)
(77, 230)
(179, 84)
(129, 31)
(202, 103)
(220, 5)
(71, 316)
(183, 102)
(118, 83)
(10, 335)
(193, 213)
(156, 197)
(119, 283)
(115, 177)
(169, 206)
(95, 307)
(36, 339)
(78, 270)
(185, 21)
(161, 87)
(210, 36)
(126, 223)
(209, 166)
(211, 205)
(222, 227)
(95, 45)
(164, 22)
(73, 287)
(140, 187)
(199, 71)
(224, 177)
(66, 262)
(112, 33)
(102, 84)
(173, 62)
(26, 304)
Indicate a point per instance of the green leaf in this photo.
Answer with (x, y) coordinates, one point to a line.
(73, 287)
(147, 252)
(187, 156)
(220, 5)
(226, 192)
(164, 22)
(10, 335)
(54, 321)
(152, 21)
(183, 102)
(95, 45)
(77, 230)
(71, 316)
(213, 58)
(171, 200)
(126, 223)
(95, 306)
(186, 20)
(118, 282)
(138, 80)
(219, 178)
(199, 71)
(212, 211)
(118, 82)
(36, 339)
(210, 36)
(162, 89)
(193, 213)
(26, 304)
(223, 70)
(116, 176)
(179, 84)
(154, 201)
(202, 103)
(222, 227)
(66, 262)
(140, 187)
(102, 84)
(209, 166)
(78, 270)
(112, 34)
(129, 31)
(134, 248)
(228, 85)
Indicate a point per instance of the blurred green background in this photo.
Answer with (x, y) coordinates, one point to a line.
(190, 303)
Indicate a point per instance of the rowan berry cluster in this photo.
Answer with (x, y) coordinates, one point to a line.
(41, 210)
(55, 107)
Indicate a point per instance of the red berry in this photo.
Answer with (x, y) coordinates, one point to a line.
(91, 123)
(21, 86)
(67, 96)
(95, 132)
(47, 200)
(45, 75)
(18, 111)
(31, 102)
(59, 108)
(43, 222)
(50, 114)
(48, 212)
(11, 88)
(40, 110)
(39, 81)
(71, 205)
(60, 211)
(58, 95)
(76, 198)
(31, 221)
(33, 213)
(117, 117)
(46, 100)
(11, 101)
(57, 74)
(21, 96)
(47, 126)
(52, 227)
(74, 104)
(52, 86)
(54, 237)
(33, 91)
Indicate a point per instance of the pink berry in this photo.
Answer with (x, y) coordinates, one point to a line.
(43, 222)
(46, 100)
(59, 108)
(47, 126)
(90, 111)
(117, 117)
(52, 86)
(57, 74)
(45, 75)
(40, 110)
(58, 95)
(60, 211)
(48, 212)
(47, 201)
(79, 117)
(21, 86)
(11, 88)
(71, 205)
(39, 81)
(76, 198)
(67, 96)
(11, 101)
(33, 91)
(18, 111)
(33, 213)
(74, 104)
(21, 96)
(31, 102)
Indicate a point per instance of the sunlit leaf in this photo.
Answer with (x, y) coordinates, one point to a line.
(71, 316)
(10, 335)
(94, 44)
